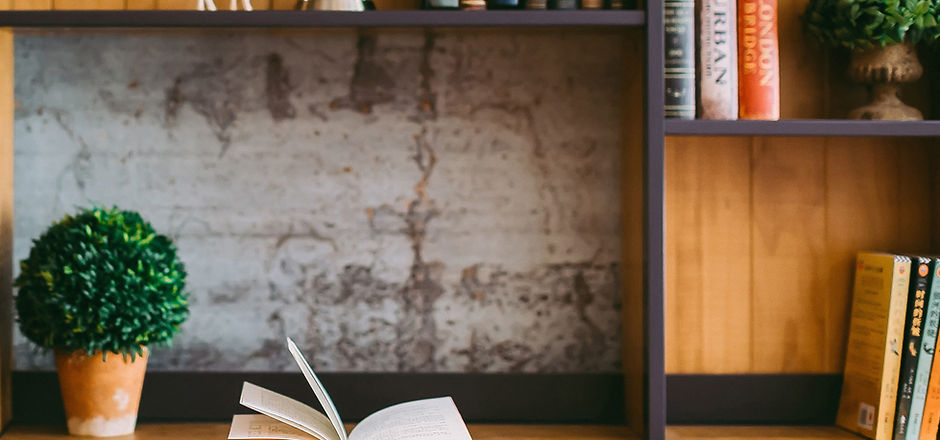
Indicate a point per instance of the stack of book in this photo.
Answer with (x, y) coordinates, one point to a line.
(737, 65)
(891, 386)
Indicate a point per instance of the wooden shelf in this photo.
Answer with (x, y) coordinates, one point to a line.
(758, 432)
(802, 127)
(298, 19)
(219, 431)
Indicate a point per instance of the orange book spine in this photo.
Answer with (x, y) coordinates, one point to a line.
(928, 429)
(758, 60)
(931, 420)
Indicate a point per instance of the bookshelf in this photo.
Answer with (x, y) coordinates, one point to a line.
(292, 19)
(523, 397)
(743, 229)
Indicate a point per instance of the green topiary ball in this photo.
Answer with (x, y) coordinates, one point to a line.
(862, 24)
(102, 279)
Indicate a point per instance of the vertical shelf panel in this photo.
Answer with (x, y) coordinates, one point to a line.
(6, 223)
(633, 342)
(654, 225)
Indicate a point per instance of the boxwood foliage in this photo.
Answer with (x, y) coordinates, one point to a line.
(862, 24)
(101, 280)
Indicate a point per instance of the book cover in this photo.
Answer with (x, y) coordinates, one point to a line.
(913, 331)
(873, 352)
(927, 347)
(931, 418)
(758, 60)
(679, 74)
(718, 60)
(283, 418)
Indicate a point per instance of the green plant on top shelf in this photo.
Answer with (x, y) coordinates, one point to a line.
(101, 280)
(863, 24)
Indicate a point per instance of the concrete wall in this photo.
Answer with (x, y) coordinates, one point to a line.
(398, 201)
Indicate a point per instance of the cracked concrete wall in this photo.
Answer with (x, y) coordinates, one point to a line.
(395, 201)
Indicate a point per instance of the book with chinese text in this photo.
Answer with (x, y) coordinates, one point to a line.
(873, 354)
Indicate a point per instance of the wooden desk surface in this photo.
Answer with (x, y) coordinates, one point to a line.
(201, 431)
(206, 431)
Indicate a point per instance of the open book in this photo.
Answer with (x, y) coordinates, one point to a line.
(284, 418)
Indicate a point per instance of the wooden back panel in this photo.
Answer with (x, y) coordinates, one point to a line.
(761, 239)
(761, 232)
(6, 222)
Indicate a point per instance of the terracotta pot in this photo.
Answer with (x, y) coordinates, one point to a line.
(100, 397)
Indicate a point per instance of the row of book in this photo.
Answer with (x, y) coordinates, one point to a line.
(737, 62)
(891, 386)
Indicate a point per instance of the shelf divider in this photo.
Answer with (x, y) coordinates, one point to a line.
(300, 19)
(802, 127)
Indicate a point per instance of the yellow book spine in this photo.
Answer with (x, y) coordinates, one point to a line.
(873, 357)
(894, 339)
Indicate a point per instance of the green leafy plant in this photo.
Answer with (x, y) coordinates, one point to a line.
(101, 280)
(862, 24)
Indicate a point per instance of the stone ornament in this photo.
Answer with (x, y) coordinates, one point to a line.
(885, 69)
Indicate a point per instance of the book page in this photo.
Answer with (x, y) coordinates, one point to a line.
(317, 388)
(436, 419)
(260, 426)
(287, 410)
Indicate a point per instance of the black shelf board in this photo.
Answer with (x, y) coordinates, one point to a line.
(802, 127)
(301, 19)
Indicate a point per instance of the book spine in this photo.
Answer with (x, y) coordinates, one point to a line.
(913, 330)
(931, 418)
(758, 60)
(876, 328)
(927, 347)
(894, 337)
(679, 74)
(718, 60)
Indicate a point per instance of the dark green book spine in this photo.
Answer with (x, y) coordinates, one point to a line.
(927, 348)
(913, 327)
(679, 75)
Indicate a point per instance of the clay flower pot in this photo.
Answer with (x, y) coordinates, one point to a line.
(100, 397)
(885, 70)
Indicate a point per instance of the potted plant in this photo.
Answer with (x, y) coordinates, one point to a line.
(881, 35)
(98, 288)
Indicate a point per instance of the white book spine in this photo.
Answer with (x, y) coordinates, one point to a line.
(718, 59)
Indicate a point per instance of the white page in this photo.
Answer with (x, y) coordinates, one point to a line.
(252, 426)
(436, 419)
(287, 410)
(318, 389)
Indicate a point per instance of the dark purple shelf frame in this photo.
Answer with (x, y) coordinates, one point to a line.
(298, 19)
(802, 127)
(654, 134)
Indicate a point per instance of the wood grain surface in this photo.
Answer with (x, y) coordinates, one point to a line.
(708, 278)
(755, 432)
(208, 431)
(762, 236)
(762, 231)
(6, 222)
